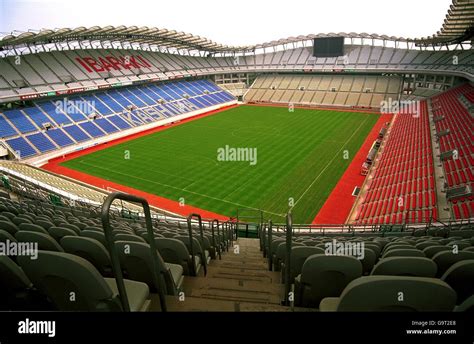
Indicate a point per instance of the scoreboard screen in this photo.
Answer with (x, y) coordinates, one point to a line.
(328, 47)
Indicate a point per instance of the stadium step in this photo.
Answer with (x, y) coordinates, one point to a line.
(239, 282)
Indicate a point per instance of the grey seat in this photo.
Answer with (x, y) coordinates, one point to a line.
(175, 251)
(374, 247)
(397, 246)
(323, 276)
(14, 284)
(197, 249)
(393, 293)
(405, 266)
(72, 227)
(299, 255)
(99, 236)
(12, 276)
(32, 228)
(59, 232)
(116, 232)
(79, 225)
(129, 238)
(460, 276)
(136, 260)
(459, 245)
(272, 251)
(466, 306)
(27, 217)
(91, 250)
(46, 224)
(445, 260)
(430, 251)
(424, 244)
(205, 242)
(403, 253)
(168, 234)
(8, 214)
(4, 236)
(368, 259)
(4, 218)
(93, 228)
(9, 227)
(20, 220)
(45, 241)
(62, 276)
(279, 256)
(382, 241)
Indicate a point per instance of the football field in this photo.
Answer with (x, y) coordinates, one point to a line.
(253, 157)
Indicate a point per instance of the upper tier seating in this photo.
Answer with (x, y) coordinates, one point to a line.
(49, 71)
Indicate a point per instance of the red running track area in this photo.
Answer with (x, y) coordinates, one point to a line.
(156, 201)
(337, 207)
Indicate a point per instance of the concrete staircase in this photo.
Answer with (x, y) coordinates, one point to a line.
(237, 283)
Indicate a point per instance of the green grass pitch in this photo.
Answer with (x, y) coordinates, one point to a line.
(300, 156)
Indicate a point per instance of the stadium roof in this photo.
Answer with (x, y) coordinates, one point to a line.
(133, 34)
(163, 38)
(458, 26)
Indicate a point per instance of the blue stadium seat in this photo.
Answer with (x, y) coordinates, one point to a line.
(119, 122)
(58, 136)
(120, 99)
(204, 101)
(57, 115)
(41, 142)
(5, 128)
(161, 93)
(37, 116)
(106, 125)
(75, 113)
(131, 97)
(91, 129)
(76, 133)
(107, 100)
(22, 147)
(145, 97)
(98, 105)
(20, 121)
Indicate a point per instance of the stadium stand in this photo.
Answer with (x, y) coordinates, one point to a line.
(113, 111)
(334, 90)
(402, 187)
(455, 135)
(51, 71)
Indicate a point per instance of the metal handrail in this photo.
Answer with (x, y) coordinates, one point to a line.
(289, 238)
(190, 229)
(270, 235)
(217, 247)
(116, 268)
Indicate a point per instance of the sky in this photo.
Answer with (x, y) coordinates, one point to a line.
(233, 22)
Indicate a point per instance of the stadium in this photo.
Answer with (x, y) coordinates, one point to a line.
(146, 169)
